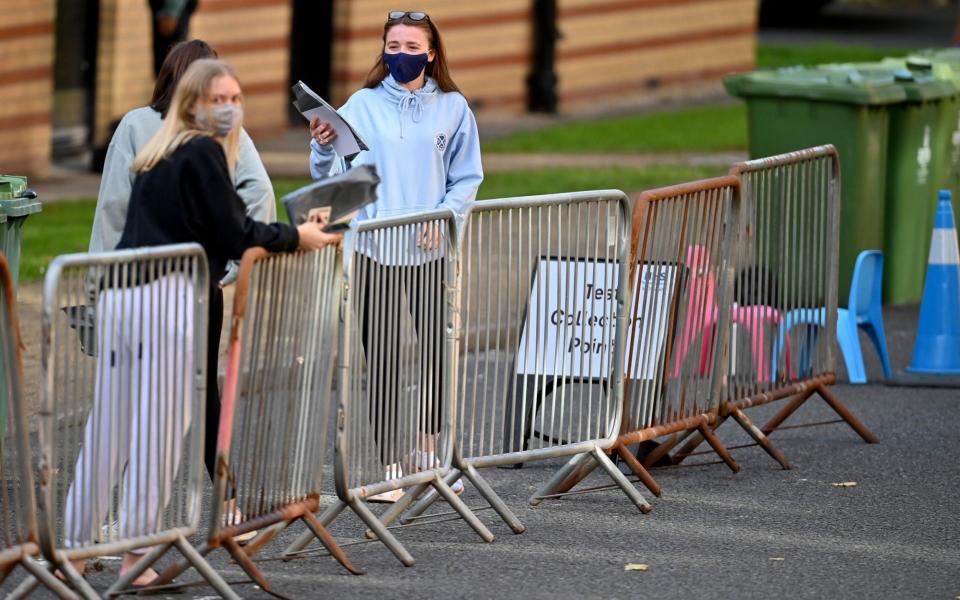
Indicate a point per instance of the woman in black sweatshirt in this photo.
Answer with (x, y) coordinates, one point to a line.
(183, 192)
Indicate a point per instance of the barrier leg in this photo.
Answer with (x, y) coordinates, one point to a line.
(264, 537)
(28, 585)
(205, 570)
(845, 414)
(326, 517)
(246, 563)
(639, 470)
(788, 409)
(397, 508)
(329, 543)
(758, 436)
(465, 513)
(570, 474)
(621, 480)
(41, 574)
(7, 568)
(367, 516)
(696, 438)
(425, 502)
(718, 447)
(664, 448)
(125, 580)
(177, 568)
(494, 500)
(83, 589)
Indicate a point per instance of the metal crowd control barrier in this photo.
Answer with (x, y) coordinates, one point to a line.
(543, 320)
(785, 308)
(397, 370)
(682, 243)
(121, 435)
(276, 404)
(18, 519)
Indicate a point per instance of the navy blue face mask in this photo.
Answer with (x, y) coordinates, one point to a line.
(405, 67)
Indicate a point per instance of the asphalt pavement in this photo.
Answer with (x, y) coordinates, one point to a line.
(892, 530)
(901, 25)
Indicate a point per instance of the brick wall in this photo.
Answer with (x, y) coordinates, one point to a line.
(617, 48)
(488, 47)
(252, 35)
(124, 63)
(26, 94)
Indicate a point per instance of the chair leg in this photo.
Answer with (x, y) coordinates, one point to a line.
(849, 341)
(778, 348)
(874, 329)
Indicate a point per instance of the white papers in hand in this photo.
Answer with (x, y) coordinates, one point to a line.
(347, 142)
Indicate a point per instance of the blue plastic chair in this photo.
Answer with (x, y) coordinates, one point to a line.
(864, 310)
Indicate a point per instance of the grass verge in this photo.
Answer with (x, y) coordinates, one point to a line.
(698, 129)
(704, 128)
(773, 56)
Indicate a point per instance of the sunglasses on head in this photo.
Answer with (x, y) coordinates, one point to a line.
(396, 15)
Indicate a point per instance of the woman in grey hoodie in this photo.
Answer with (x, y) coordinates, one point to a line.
(250, 179)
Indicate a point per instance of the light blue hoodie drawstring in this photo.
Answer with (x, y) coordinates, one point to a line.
(410, 101)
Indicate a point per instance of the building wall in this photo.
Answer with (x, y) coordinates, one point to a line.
(124, 64)
(610, 49)
(26, 94)
(252, 35)
(488, 47)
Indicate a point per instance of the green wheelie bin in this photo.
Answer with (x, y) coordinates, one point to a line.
(945, 64)
(795, 108)
(17, 202)
(918, 159)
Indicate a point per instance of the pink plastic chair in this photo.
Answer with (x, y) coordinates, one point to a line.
(702, 316)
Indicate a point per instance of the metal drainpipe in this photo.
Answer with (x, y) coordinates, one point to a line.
(542, 81)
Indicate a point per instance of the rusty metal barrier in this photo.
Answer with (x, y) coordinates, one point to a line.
(543, 315)
(397, 371)
(18, 518)
(121, 454)
(785, 302)
(681, 271)
(276, 404)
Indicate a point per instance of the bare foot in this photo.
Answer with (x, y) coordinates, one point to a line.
(145, 578)
(79, 565)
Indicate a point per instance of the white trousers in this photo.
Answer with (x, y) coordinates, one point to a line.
(142, 406)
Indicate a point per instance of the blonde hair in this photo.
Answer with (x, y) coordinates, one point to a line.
(180, 125)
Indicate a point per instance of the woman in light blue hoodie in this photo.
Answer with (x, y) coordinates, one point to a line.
(424, 144)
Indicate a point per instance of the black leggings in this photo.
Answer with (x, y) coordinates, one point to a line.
(212, 424)
(382, 311)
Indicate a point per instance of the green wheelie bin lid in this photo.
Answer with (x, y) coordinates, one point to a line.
(941, 58)
(842, 86)
(16, 199)
(915, 76)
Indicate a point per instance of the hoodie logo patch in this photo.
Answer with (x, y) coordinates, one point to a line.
(440, 140)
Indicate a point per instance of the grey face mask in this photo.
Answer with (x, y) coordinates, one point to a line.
(220, 118)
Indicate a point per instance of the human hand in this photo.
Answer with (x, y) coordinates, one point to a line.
(312, 237)
(322, 131)
(321, 216)
(429, 237)
(166, 25)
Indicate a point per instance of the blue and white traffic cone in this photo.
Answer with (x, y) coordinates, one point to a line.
(937, 349)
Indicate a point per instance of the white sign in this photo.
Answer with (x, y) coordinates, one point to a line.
(571, 319)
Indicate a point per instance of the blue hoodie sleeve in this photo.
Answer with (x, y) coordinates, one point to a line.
(324, 162)
(465, 171)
